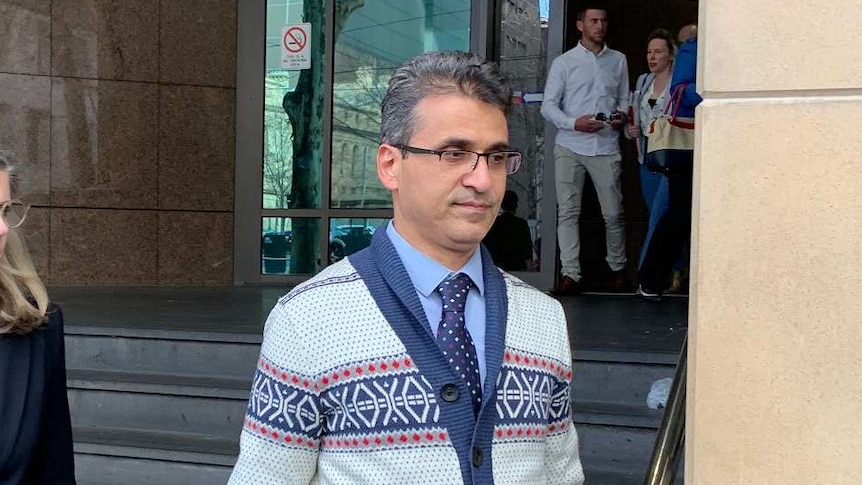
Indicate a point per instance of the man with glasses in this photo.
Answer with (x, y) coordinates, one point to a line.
(416, 360)
(586, 95)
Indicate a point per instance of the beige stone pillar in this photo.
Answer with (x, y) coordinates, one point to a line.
(775, 356)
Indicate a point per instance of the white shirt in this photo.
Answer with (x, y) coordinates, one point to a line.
(649, 113)
(581, 83)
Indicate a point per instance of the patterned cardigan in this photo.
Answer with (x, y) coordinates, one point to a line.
(351, 387)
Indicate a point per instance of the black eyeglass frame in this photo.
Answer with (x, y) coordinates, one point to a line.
(487, 155)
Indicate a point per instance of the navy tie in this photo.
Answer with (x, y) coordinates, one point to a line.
(453, 338)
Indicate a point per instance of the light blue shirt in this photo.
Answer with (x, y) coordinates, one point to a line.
(427, 274)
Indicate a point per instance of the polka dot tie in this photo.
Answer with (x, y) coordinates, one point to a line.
(453, 338)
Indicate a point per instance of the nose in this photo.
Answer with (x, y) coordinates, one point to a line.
(4, 227)
(480, 178)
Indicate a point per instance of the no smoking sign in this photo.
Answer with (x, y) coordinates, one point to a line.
(295, 50)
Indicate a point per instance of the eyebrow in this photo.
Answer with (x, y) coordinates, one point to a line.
(464, 144)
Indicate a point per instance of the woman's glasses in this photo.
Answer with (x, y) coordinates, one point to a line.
(14, 212)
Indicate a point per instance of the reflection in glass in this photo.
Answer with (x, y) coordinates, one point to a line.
(279, 251)
(293, 128)
(293, 111)
(522, 47)
(375, 39)
(346, 236)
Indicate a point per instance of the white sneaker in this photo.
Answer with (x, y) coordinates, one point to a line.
(647, 295)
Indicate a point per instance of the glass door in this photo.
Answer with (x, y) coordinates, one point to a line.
(308, 114)
(521, 40)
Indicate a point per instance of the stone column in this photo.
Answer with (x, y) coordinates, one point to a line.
(775, 357)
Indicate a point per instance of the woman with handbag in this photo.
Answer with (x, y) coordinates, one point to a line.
(674, 226)
(652, 92)
(35, 428)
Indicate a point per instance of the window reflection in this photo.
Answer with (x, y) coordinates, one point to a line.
(293, 111)
(375, 39)
(283, 249)
(522, 43)
(349, 235)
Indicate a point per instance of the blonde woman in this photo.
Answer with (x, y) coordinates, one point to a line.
(35, 429)
(652, 92)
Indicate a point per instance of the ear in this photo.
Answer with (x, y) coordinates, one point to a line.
(580, 26)
(388, 163)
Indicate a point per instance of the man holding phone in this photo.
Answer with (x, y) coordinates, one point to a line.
(586, 94)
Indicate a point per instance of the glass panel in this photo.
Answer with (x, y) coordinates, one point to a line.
(346, 236)
(374, 40)
(289, 246)
(293, 110)
(522, 48)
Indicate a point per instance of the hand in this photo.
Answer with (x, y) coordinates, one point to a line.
(633, 131)
(617, 120)
(588, 124)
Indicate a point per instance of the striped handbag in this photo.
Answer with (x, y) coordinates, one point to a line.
(670, 149)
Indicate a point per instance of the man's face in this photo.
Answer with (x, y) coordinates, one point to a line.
(594, 26)
(443, 210)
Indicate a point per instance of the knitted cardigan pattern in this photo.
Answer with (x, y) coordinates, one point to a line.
(351, 388)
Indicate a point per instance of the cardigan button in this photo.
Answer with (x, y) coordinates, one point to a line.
(477, 456)
(449, 392)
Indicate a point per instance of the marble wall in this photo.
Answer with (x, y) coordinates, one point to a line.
(774, 364)
(120, 118)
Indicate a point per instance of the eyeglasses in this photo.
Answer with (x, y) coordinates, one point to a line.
(504, 160)
(14, 212)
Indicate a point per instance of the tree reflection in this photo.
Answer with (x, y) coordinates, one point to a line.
(304, 108)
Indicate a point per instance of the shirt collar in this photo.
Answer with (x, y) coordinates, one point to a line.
(587, 51)
(427, 274)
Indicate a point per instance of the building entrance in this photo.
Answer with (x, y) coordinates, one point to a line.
(528, 36)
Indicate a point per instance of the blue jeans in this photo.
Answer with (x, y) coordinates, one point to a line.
(655, 197)
(657, 207)
(670, 234)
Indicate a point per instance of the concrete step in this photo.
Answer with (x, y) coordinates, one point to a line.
(602, 413)
(166, 406)
(611, 388)
(156, 445)
(617, 455)
(614, 477)
(96, 469)
(624, 380)
(162, 351)
(159, 402)
(155, 383)
(616, 427)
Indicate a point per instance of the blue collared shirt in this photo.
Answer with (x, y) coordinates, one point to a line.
(427, 274)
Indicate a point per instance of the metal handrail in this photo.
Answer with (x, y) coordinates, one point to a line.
(668, 442)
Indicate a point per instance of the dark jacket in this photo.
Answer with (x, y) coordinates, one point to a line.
(35, 429)
(509, 242)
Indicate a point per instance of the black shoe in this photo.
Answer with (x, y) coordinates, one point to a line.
(567, 287)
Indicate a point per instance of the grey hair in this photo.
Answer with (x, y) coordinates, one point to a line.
(434, 74)
(6, 164)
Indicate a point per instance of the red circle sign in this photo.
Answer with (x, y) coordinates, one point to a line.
(295, 39)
